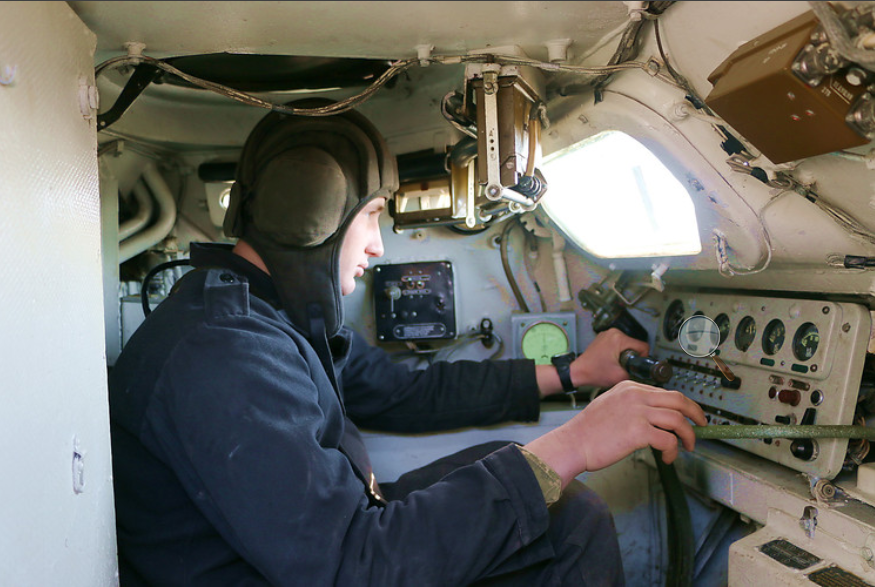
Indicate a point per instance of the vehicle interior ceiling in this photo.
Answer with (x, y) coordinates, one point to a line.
(766, 224)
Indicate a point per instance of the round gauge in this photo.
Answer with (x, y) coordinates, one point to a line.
(746, 333)
(722, 321)
(699, 336)
(773, 337)
(674, 317)
(805, 341)
(542, 341)
(695, 334)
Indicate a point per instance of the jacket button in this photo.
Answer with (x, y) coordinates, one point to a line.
(227, 278)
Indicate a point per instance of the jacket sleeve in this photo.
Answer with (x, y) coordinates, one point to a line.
(383, 395)
(242, 421)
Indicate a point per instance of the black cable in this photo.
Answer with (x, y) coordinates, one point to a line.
(532, 244)
(681, 548)
(521, 301)
(630, 44)
(144, 290)
(682, 81)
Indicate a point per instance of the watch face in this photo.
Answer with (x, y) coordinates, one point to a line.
(543, 340)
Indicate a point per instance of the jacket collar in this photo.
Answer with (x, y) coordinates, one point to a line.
(206, 255)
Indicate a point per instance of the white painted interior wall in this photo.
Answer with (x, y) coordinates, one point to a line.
(56, 511)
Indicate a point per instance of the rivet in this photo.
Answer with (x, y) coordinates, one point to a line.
(8, 75)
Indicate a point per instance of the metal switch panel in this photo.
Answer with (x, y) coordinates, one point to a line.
(414, 301)
(795, 361)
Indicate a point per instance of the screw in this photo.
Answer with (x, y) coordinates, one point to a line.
(825, 310)
(814, 368)
(855, 76)
(846, 327)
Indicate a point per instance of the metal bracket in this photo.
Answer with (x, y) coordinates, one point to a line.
(808, 521)
(144, 74)
(493, 171)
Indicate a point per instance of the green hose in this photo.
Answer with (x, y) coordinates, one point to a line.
(738, 431)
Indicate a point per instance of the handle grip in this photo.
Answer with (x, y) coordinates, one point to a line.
(646, 368)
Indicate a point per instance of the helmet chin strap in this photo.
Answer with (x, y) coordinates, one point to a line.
(319, 340)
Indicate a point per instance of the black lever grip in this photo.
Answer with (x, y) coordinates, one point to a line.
(645, 368)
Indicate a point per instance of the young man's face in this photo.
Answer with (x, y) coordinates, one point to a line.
(362, 241)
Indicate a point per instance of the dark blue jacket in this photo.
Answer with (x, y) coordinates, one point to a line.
(228, 468)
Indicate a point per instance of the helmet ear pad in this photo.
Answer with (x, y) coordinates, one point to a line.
(300, 196)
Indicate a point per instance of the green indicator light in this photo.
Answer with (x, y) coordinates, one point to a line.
(799, 368)
(768, 362)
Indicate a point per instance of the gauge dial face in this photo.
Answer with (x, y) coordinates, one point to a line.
(722, 321)
(746, 333)
(674, 317)
(542, 341)
(773, 337)
(699, 336)
(805, 341)
(695, 333)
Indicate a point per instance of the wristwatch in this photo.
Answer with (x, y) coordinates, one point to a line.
(563, 368)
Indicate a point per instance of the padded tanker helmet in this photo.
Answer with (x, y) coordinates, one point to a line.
(300, 181)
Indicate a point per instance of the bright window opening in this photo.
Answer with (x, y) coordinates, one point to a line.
(614, 198)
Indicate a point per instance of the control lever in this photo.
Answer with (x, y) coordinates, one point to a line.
(646, 367)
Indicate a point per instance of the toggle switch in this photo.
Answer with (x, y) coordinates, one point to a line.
(790, 396)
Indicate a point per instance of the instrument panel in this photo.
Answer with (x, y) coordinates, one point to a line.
(791, 361)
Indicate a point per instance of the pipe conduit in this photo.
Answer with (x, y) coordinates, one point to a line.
(144, 212)
(142, 241)
(740, 431)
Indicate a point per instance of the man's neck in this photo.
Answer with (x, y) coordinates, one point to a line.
(246, 251)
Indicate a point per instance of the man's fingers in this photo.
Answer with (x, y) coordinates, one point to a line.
(675, 400)
(675, 422)
(666, 443)
(639, 346)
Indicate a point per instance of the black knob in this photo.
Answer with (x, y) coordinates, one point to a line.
(804, 449)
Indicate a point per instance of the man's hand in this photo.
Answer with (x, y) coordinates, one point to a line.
(598, 366)
(628, 417)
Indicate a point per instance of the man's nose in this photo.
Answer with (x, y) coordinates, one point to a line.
(375, 248)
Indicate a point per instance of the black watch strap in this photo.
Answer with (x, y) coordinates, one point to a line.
(563, 368)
